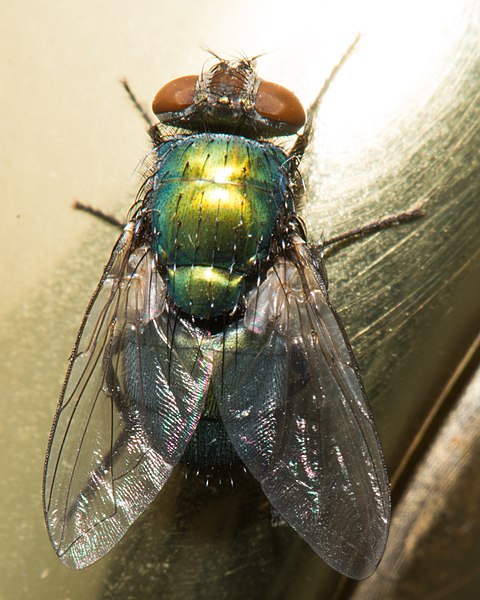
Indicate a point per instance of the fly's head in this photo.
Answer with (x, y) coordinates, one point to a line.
(229, 98)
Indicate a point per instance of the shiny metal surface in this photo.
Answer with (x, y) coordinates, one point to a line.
(434, 547)
(399, 128)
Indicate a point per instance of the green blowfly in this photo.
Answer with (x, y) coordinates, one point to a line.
(211, 339)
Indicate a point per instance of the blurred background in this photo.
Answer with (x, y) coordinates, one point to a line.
(398, 129)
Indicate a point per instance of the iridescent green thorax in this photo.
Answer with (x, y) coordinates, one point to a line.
(216, 204)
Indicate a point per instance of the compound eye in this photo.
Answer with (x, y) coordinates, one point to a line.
(276, 103)
(175, 95)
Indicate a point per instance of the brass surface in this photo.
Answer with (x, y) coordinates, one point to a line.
(434, 541)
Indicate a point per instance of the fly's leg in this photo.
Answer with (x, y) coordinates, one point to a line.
(369, 228)
(304, 138)
(99, 214)
(339, 241)
(138, 106)
(300, 146)
(95, 211)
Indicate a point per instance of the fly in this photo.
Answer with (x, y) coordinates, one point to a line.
(211, 339)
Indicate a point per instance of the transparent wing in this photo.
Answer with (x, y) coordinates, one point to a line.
(295, 411)
(132, 398)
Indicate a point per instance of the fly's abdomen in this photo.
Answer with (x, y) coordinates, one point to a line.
(216, 203)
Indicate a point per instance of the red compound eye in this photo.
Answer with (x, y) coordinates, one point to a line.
(276, 103)
(175, 95)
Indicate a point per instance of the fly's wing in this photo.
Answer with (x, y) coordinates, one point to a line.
(296, 413)
(130, 403)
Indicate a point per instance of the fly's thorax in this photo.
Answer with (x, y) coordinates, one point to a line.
(216, 204)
